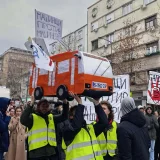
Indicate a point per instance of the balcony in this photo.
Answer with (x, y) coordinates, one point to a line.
(152, 53)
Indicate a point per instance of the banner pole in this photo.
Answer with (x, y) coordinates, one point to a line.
(35, 24)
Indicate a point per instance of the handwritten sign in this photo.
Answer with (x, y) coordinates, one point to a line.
(47, 26)
(121, 90)
(153, 94)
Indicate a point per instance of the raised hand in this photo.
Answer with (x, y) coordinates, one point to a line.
(32, 98)
(76, 97)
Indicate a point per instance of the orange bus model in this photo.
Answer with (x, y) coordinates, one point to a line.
(82, 73)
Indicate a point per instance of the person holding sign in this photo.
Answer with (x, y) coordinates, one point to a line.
(108, 139)
(42, 125)
(79, 139)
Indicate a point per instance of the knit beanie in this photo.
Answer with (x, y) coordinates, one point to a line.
(127, 105)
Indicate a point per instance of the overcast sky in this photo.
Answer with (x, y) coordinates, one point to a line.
(17, 19)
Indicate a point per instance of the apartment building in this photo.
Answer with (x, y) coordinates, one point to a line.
(127, 32)
(76, 40)
(14, 63)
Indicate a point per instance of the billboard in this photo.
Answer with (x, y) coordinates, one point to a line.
(47, 26)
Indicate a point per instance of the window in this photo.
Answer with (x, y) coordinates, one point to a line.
(152, 48)
(148, 1)
(80, 35)
(95, 44)
(110, 38)
(110, 18)
(94, 26)
(80, 48)
(128, 31)
(151, 22)
(98, 66)
(127, 8)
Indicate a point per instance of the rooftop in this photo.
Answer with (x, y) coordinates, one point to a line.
(13, 49)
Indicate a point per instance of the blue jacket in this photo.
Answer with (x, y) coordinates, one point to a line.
(4, 121)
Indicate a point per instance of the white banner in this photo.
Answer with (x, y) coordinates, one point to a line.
(42, 60)
(153, 94)
(47, 26)
(121, 90)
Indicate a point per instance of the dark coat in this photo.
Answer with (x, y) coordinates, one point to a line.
(4, 121)
(152, 124)
(133, 138)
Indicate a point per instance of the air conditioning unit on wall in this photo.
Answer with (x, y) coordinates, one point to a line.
(96, 30)
(106, 45)
(105, 25)
(109, 6)
(143, 6)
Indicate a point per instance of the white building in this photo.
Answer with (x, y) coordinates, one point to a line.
(127, 32)
(76, 40)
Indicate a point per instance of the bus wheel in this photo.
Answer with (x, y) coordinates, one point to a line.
(62, 92)
(38, 93)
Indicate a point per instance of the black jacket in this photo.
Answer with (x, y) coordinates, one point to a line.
(158, 131)
(70, 128)
(27, 120)
(133, 137)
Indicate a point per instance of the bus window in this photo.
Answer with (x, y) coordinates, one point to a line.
(95, 65)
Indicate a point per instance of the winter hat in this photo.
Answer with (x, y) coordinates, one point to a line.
(140, 107)
(148, 108)
(127, 105)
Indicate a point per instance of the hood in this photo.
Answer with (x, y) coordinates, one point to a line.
(136, 117)
(127, 105)
(4, 102)
(147, 109)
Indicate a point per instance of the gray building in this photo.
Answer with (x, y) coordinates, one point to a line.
(127, 33)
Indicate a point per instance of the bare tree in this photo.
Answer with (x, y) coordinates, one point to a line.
(16, 69)
(71, 41)
(126, 50)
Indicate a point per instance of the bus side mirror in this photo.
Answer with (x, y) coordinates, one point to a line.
(76, 55)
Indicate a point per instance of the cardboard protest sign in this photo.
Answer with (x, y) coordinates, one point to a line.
(153, 94)
(47, 26)
(121, 90)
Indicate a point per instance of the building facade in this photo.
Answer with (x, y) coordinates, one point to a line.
(14, 63)
(127, 33)
(76, 40)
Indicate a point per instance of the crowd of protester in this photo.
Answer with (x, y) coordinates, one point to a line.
(38, 131)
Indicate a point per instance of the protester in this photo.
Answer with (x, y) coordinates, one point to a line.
(79, 139)
(42, 124)
(12, 112)
(141, 109)
(152, 124)
(156, 113)
(109, 135)
(58, 108)
(157, 144)
(133, 138)
(4, 121)
(16, 149)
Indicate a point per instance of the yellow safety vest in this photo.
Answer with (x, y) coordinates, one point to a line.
(110, 145)
(40, 135)
(84, 146)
